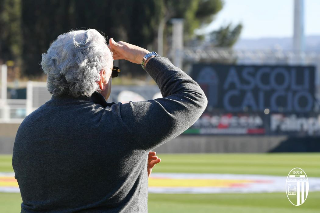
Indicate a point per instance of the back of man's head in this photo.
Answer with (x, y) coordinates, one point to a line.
(73, 63)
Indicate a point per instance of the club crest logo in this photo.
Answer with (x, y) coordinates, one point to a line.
(209, 81)
(297, 186)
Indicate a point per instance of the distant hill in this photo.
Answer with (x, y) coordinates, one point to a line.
(312, 43)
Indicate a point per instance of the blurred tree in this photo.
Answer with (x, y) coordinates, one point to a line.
(194, 12)
(105, 16)
(10, 30)
(226, 36)
(143, 17)
(42, 22)
(135, 21)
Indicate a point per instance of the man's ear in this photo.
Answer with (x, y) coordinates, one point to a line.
(102, 79)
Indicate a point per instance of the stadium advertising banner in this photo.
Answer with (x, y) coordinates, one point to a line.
(229, 124)
(257, 100)
(291, 124)
(251, 88)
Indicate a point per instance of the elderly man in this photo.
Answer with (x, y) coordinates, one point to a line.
(78, 153)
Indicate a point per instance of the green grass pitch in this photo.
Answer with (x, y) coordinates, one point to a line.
(266, 164)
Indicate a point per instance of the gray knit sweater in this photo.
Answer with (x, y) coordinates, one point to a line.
(84, 155)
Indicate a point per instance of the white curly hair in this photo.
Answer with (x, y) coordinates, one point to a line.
(73, 63)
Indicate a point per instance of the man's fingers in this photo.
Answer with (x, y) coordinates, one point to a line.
(127, 51)
(153, 157)
(117, 57)
(154, 162)
(114, 46)
(112, 43)
(117, 49)
(158, 160)
(152, 154)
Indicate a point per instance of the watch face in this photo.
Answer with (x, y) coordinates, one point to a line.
(147, 57)
(152, 54)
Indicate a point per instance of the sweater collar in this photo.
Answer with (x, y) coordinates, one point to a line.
(96, 98)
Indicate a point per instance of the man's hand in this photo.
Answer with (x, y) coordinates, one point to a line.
(126, 51)
(152, 161)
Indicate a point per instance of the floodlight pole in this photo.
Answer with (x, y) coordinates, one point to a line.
(298, 31)
(160, 37)
(177, 42)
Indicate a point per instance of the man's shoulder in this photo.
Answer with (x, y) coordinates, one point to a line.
(34, 116)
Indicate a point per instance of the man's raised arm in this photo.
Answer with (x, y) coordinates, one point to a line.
(154, 122)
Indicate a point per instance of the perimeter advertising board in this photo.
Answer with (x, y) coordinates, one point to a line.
(223, 123)
(292, 124)
(229, 124)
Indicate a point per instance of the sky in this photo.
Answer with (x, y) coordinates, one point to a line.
(267, 18)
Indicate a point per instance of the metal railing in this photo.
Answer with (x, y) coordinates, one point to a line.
(274, 56)
(12, 110)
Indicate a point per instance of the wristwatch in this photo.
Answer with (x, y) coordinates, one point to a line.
(147, 57)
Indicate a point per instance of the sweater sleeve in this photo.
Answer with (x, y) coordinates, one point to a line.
(157, 121)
